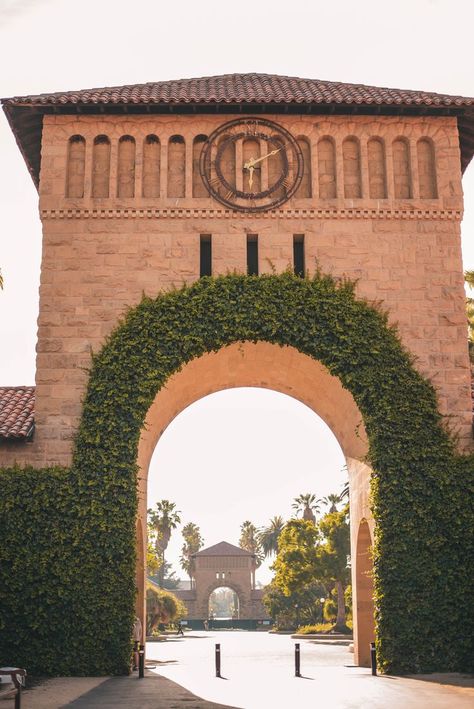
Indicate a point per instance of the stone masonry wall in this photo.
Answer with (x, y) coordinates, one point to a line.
(101, 254)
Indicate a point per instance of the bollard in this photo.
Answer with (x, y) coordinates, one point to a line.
(141, 662)
(373, 659)
(218, 660)
(297, 660)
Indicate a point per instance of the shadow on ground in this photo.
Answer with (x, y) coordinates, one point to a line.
(151, 692)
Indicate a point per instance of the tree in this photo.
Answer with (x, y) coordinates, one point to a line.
(162, 520)
(296, 562)
(308, 505)
(268, 536)
(344, 492)
(303, 606)
(153, 560)
(469, 279)
(333, 557)
(192, 543)
(161, 607)
(249, 540)
(332, 501)
(310, 552)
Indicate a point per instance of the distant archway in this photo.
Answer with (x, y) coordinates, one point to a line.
(224, 603)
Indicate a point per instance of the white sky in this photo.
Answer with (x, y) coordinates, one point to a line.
(52, 45)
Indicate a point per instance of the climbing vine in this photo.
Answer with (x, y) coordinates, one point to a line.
(424, 537)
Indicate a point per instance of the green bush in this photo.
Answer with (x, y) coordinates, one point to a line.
(67, 538)
(161, 607)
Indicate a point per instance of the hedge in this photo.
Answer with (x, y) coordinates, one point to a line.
(67, 536)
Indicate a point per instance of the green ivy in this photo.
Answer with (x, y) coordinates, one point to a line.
(67, 536)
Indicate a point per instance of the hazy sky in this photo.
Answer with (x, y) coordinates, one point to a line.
(51, 45)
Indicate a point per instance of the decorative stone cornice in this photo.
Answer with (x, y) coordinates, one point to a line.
(190, 213)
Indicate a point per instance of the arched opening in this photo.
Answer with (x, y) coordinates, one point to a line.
(76, 161)
(224, 604)
(363, 595)
(101, 166)
(266, 366)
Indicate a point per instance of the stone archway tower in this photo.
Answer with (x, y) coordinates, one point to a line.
(361, 182)
(224, 564)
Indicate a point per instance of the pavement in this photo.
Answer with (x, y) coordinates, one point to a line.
(257, 673)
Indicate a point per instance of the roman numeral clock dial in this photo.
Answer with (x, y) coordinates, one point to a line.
(268, 150)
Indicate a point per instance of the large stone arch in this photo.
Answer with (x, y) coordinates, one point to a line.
(410, 453)
(283, 369)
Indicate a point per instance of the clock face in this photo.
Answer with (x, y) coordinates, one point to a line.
(251, 165)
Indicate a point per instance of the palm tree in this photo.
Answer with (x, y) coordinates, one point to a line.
(331, 501)
(344, 492)
(163, 519)
(268, 536)
(308, 505)
(249, 540)
(192, 543)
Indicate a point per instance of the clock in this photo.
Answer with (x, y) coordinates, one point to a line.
(251, 165)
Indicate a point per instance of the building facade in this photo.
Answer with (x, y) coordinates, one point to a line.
(144, 188)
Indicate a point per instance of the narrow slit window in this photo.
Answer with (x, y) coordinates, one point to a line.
(205, 268)
(298, 255)
(252, 254)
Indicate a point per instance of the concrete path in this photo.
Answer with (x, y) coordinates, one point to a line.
(152, 692)
(259, 674)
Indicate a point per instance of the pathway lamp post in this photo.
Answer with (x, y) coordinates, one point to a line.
(322, 609)
(297, 608)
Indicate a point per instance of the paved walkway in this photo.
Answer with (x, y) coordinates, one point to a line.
(152, 692)
(258, 673)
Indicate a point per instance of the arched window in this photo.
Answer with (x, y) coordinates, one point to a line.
(426, 169)
(327, 169)
(126, 167)
(199, 189)
(151, 166)
(351, 164)
(401, 169)
(76, 165)
(304, 190)
(377, 170)
(227, 161)
(101, 166)
(176, 166)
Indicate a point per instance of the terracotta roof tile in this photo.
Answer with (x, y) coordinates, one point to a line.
(16, 412)
(228, 93)
(245, 88)
(223, 549)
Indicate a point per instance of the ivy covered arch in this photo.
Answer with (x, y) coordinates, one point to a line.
(68, 536)
(415, 486)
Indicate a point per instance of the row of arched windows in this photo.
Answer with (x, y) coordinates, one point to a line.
(352, 187)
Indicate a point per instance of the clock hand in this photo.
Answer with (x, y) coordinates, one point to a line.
(251, 169)
(252, 162)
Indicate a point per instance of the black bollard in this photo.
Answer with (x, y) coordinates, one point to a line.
(218, 660)
(141, 662)
(373, 659)
(297, 660)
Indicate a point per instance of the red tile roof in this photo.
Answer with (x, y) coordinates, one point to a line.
(245, 88)
(17, 406)
(228, 93)
(223, 549)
